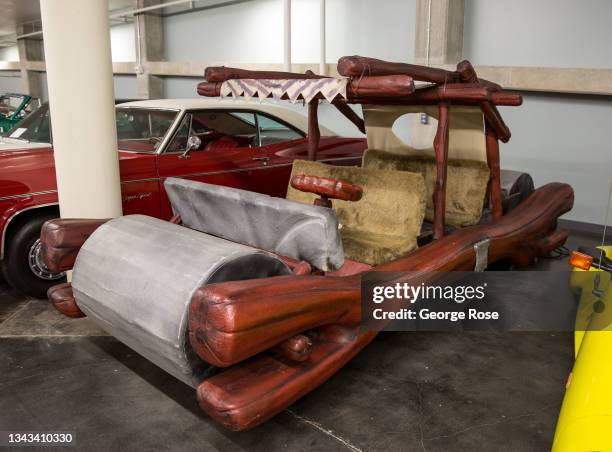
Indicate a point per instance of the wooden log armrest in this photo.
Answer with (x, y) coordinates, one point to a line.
(328, 188)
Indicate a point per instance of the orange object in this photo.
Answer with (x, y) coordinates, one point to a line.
(580, 260)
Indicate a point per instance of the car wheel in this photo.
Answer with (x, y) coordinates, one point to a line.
(23, 267)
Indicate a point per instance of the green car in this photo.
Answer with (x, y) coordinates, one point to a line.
(13, 108)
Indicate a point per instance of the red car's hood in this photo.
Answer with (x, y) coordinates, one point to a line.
(10, 146)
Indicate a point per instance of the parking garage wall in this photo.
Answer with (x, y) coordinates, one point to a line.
(556, 137)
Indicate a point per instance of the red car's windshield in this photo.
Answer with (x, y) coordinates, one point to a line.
(142, 129)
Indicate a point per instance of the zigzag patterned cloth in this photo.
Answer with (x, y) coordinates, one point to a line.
(306, 89)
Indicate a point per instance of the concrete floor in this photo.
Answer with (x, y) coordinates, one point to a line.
(409, 391)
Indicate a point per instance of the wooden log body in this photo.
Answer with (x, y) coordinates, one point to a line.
(61, 240)
(62, 298)
(255, 390)
(225, 319)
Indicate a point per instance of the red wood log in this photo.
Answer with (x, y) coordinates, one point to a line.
(441, 149)
(495, 194)
(366, 87)
(62, 298)
(357, 66)
(328, 187)
(225, 320)
(222, 73)
(296, 348)
(314, 134)
(61, 240)
(380, 87)
(467, 74)
(223, 339)
(459, 94)
(493, 117)
(350, 114)
(252, 392)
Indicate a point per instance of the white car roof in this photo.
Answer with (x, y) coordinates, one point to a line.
(291, 116)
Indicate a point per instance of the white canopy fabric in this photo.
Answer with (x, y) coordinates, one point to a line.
(330, 88)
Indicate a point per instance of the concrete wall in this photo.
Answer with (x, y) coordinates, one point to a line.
(556, 33)
(564, 138)
(10, 82)
(123, 42)
(125, 87)
(554, 137)
(9, 53)
(252, 32)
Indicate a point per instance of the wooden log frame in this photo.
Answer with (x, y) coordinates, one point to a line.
(314, 331)
(493, 161)
(441, 151)
(314, 134)
(375, 81)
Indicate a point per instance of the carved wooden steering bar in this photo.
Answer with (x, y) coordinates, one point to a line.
(327, 188)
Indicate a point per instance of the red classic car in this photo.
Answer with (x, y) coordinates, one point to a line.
(243, 145)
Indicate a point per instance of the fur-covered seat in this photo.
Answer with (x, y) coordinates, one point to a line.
(466, 184)
(385, 223)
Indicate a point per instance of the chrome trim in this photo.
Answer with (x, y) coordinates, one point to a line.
(481, 251)
(6, 225)
(240, 170)
(25, 195)
(171, 132)
(140, 180)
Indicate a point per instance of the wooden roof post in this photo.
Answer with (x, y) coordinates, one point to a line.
(314, 134)
(495, 197)
(441, 148)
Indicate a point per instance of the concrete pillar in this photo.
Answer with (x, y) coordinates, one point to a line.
(81, 99)
(149, 86)
(439, 31)
(30, 49)
(287, 35)
(322, 40)
(149, 29)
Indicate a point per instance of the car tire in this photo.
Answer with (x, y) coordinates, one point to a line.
(21, 268)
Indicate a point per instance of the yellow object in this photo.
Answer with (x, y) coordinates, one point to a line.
(580, 260)
(585, 421)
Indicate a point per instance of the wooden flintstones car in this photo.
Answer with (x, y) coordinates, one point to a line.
(254, 300)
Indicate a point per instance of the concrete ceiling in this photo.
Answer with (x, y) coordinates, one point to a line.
(19, 12)
(26, 13)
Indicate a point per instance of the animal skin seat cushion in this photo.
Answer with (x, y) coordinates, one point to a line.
(287, 228)
(466, 183)
(384, 224)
